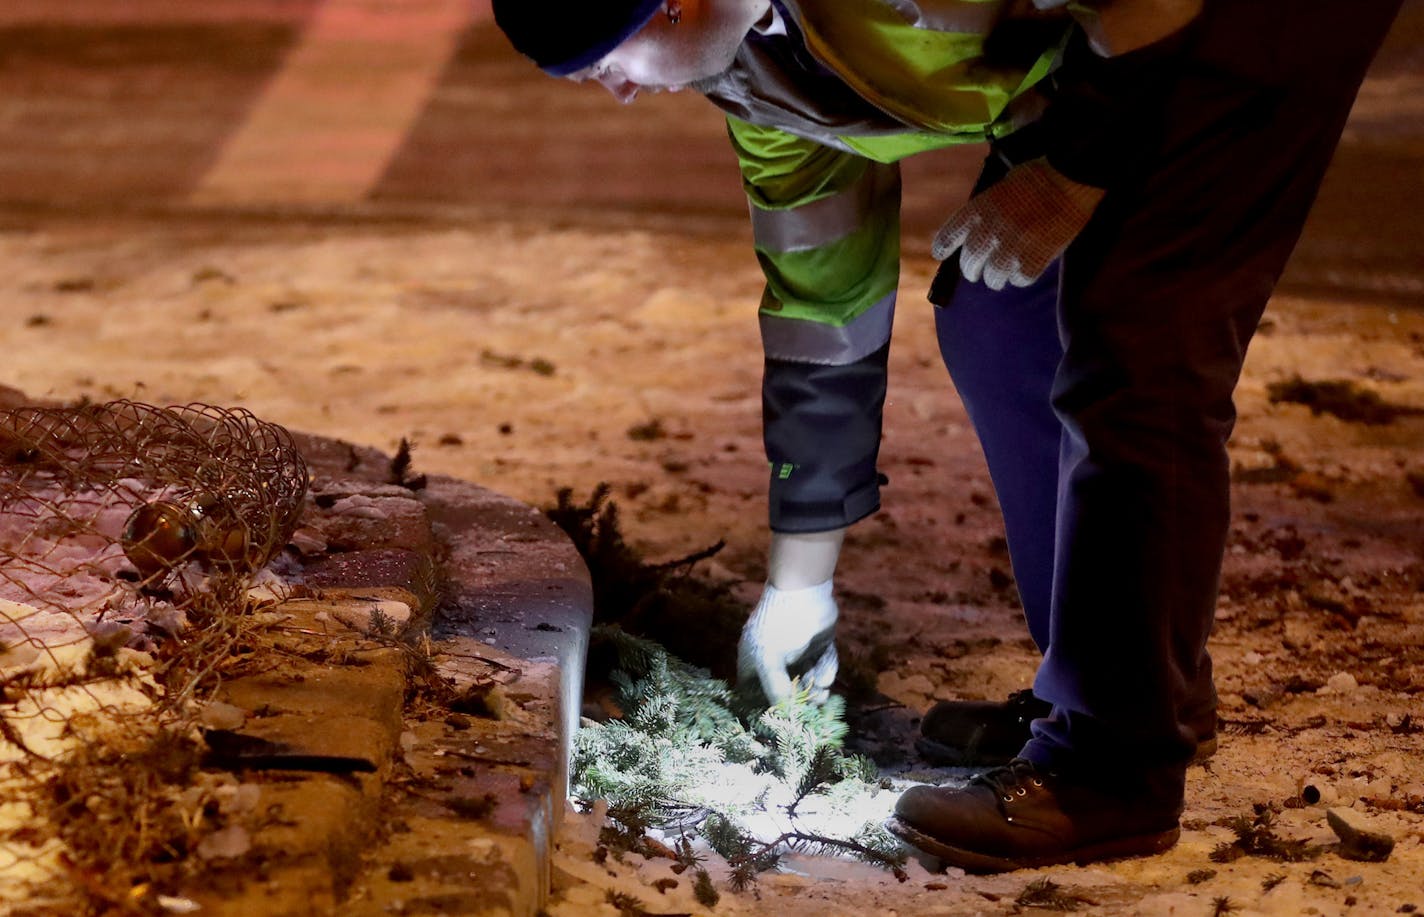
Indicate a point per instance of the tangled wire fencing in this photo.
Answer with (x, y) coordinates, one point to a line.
(129, 537)
(112, 514)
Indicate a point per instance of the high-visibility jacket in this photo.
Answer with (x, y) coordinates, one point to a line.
(820, 116)
(821, 107)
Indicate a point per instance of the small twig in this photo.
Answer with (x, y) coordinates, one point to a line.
(690, 559)
(494, 662)
(483, 759)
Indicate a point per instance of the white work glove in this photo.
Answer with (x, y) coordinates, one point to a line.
(791, 633)
(1013, 230)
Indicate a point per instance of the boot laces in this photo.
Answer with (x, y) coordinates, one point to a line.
(1012, 781)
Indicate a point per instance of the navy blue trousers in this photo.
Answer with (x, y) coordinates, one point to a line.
(1102, 395)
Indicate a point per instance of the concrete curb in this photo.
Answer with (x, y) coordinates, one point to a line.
(462, 802)
(515, 581)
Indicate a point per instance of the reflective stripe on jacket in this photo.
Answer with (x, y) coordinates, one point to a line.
(820, 116)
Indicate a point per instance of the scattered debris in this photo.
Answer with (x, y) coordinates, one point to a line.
(210, 274)
(1358, 840)
(703, 889)
(122, 813)
(218, 715)
(1198, 876)
(1323, 879)
(628, 905)
(235, 751)
(375, 617)
(225, 844)
(1049, 895)
(1256, 836)
(537, 365)
(400, 469)
(476, 808)
(139, 622)
(1309, 486)
(1340, 683)
(1339, 398)
(175, 905)
(1282, 468)
(647, 432)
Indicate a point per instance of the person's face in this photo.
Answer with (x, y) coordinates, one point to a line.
(687, 41)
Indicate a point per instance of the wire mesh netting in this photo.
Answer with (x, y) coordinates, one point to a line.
(130, 535)
(110, 514)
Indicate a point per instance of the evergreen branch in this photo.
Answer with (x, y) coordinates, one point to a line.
(823, 768)
(803, 842)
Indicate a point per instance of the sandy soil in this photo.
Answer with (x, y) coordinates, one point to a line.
(521, 356)
(565, 307)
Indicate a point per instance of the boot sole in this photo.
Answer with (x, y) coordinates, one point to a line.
(1205, 749)
(968, 860)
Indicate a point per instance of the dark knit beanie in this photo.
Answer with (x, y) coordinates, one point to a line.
(565, 36)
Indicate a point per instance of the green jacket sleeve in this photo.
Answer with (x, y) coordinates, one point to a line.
(826, 229)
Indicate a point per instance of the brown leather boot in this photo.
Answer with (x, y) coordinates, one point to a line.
(982, 733)
(1021, 817)
(979, 733)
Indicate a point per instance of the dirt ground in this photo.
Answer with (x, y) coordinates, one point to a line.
(529, 358)
(582, 315)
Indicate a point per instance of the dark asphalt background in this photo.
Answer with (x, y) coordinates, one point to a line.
(131, 115)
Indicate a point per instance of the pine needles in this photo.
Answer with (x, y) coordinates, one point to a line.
(682, 751)
(1256, 836)
(1049, 895)
(687, 757)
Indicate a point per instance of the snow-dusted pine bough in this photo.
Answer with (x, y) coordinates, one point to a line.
(691, 758)
(130, 535)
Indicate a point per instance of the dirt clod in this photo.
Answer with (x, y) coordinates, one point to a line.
(1358, 840)
(1338, 398)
